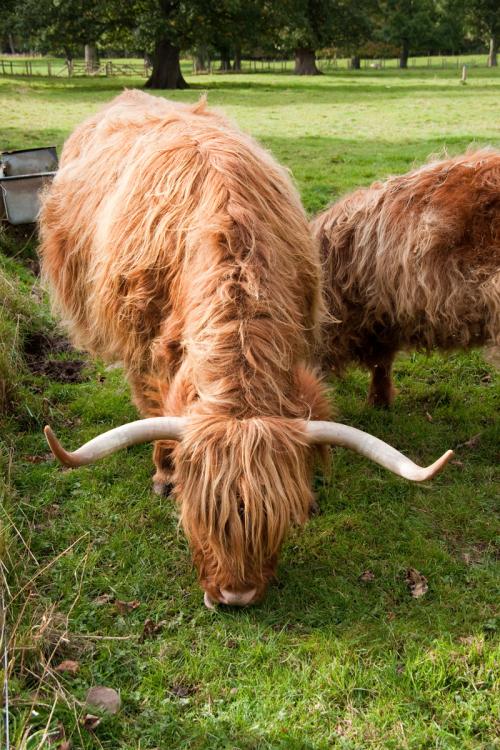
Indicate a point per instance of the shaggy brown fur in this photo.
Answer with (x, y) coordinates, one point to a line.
(413, 263)
(175, 244)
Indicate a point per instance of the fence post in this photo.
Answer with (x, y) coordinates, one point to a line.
(49, 69)
(11, 69)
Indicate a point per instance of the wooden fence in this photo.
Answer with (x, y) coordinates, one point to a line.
(108, 68)
(40, 67)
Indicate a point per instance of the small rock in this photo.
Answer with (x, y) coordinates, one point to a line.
(367, 576)
(104, 698)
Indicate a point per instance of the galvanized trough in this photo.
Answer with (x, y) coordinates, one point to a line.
(22, 175)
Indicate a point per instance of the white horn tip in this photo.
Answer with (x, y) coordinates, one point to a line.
(419, 474)
(55, 446)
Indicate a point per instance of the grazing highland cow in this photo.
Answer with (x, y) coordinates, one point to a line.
(413, 263)
(173, 243)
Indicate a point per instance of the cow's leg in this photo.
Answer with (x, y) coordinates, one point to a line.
(382, 391)
(148, 399)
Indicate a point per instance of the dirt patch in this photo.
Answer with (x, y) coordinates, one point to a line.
(39, 351)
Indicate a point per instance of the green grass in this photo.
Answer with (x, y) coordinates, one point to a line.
(327, 660)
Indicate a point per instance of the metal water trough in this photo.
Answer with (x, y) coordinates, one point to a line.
(22, 176)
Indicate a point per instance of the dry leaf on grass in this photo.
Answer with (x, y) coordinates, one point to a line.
(103, 599)
(472, 442)
(181, 690)
(417, 583)
(104, 698)
(39, 459)
(126, 607)
(69, 666)
(367, 576)
(90, 722)
(152, 628)
(58, 738)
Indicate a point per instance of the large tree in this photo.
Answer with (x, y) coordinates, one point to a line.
(305, 26)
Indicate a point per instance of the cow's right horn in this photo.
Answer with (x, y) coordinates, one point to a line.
(332, 433)
(141, 431)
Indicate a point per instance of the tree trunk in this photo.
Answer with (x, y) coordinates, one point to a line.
(305, 63)
(200, 61)
(166, 73)
(68, 54)
(237, 58)
(225, 60)
(91, 57)
(356, 62)
(12, 48)
(404, 54)
(492, 57)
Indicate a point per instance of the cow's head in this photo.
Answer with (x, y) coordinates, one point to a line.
(241, 484)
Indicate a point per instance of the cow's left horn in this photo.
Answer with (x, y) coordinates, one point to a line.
(141, 431)
(371, 447)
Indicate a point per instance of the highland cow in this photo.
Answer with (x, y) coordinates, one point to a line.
(175, 244)
(413, 263)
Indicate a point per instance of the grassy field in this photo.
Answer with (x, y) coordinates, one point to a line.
(332, 658)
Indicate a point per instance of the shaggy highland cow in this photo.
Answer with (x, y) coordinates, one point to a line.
(173, 243)
(413, 263)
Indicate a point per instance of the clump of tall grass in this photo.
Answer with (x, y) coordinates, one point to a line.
(22, 314)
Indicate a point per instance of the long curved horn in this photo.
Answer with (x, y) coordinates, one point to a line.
(374, 449)
(141, 431)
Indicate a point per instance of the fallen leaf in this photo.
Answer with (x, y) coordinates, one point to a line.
(367, 576)
(39, 459)
(104, 698)
(472, 442)
(460, 464)
(103, 599)
(126, 607)
(58, 737)
(428, 417)
(417, 583)
(391, 616)
(344, 727)
(181, 690)
(151, 628)
(68, 665)
(90, 722)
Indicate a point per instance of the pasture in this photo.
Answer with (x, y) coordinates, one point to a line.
(339, 654)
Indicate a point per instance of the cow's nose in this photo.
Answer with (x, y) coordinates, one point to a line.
(238, 598)
(232, 598)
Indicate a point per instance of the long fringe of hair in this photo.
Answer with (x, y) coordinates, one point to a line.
(414, 262)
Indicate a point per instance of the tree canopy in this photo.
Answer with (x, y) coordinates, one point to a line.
(230, 29)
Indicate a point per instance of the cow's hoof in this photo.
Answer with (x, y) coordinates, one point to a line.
(163, 489)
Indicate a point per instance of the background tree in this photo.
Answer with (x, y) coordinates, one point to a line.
(305, 26)
(484, 17)
(411, 24)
